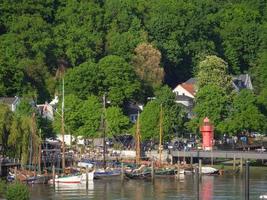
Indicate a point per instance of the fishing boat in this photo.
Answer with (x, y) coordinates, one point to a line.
(67, 179)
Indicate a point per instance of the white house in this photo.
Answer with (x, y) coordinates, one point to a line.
(185, 92)
(12, 102)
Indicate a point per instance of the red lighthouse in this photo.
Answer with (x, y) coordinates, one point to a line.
(207, 134)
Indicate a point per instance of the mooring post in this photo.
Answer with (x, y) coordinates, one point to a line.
(15, 172)
(191, 160)
(247, 181)
(197, 177)
(0, 168)
(200, 167)
(152, 171)
(234, 163)
(53, 173)
(241, 165)
(87, 170)
(178, 171)
(122, 171)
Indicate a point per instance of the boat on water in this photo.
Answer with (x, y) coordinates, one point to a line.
(101, 173)
(208, 170)
(28, 177)
(138, 175)
(264, 196)
(67, 179)
(168, 172)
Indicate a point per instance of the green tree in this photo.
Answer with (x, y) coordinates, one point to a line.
(84, 80)
(78, 32)
(6, 117)
(213, 70)
(72, 118)
(239, 30)
(173, 116)
(146, 63)
(117, 123)
(90, 115)
(245, 115)
(212, 102)
(120, 80)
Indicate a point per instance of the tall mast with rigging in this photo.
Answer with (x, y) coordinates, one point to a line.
(104, 129)
(62, 126)
(160, 133)
(137, 140)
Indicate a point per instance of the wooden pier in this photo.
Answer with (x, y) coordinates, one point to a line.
(221, 154)
(6, 164)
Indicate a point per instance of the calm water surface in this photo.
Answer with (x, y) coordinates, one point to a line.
(211, 187)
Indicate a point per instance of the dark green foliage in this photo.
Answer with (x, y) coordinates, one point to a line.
(84, 80)
(17, 191)
(245, 115)
(95, 40)
(120, 80)
(173, 116)
(3, 187)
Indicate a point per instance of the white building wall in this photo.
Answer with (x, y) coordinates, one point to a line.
(179, 90)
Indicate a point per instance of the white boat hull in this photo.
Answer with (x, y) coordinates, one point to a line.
(67, 179)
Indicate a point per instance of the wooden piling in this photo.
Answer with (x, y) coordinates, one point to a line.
(241, 164)
(122, 171)
(191, 160)
(152, 171)
(200, 166)
(234, 164)
(178, 171)
(247, 181)
(0, 168)
(87, 170)
(53, 174)
(15, 172)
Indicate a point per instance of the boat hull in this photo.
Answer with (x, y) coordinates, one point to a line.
(67, 179)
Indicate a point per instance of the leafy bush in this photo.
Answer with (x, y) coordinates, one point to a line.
(17, 191)
(2, 188)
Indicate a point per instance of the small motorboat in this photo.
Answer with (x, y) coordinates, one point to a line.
(67, 179)
(138, 175)
(209, 170)
(101, 173)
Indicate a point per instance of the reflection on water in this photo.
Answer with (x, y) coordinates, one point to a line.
(211, 187)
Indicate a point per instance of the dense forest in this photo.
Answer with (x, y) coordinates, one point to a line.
(132, 50)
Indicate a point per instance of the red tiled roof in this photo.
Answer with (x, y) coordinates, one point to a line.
(189, 87)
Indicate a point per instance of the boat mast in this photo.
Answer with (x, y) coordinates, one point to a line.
(137, 140)
(160, 133)
(104, 129)
(62, 127)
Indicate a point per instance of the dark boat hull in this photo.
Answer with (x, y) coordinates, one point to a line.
(143, 175)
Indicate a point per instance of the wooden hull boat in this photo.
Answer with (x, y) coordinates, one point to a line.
(138, 175)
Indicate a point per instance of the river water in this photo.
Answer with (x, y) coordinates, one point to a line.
(224, 187)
